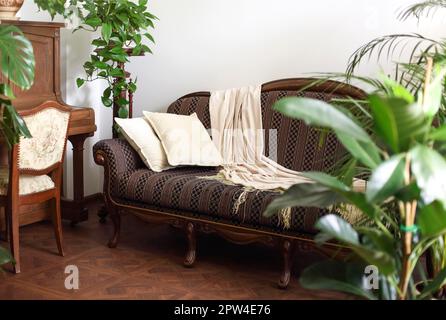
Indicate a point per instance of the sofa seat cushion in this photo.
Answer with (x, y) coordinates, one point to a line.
(185, 189)
(27, 184)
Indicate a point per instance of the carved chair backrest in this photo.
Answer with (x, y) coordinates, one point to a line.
(48, 125)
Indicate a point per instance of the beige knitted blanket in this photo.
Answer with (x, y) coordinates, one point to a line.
(237, 131)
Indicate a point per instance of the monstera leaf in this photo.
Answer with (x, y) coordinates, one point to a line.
(17, 57)
(17, 64)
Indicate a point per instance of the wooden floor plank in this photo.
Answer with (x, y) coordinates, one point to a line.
(147, 265)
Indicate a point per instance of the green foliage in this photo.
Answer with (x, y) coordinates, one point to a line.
(123, 25)
(5, 256)
(17, 65)
(334, 275)
(407, 172)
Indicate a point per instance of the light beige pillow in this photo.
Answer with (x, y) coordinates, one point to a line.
(185, 139)
(142, 138)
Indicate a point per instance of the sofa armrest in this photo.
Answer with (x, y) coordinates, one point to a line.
(117, 156)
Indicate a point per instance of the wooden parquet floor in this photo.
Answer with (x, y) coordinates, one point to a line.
(147, 265)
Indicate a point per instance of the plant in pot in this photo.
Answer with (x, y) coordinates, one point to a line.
(405, 198)
(123, 24)
(410, 75)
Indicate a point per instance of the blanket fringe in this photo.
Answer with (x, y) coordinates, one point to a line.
(241, 199)
(350, 213)
(285, 218)
(284, 214)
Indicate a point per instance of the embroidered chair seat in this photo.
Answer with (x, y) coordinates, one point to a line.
(27, 184)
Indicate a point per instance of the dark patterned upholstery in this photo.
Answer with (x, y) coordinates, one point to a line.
(185, 189)
(182, 190)
(121, 158)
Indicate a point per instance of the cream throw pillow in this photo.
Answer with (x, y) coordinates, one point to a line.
(185, 139)
(142, 138)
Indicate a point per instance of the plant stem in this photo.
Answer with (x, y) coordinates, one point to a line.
(408, 215)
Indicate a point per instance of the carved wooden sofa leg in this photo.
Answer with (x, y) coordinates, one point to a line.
(116, 219)
(191, 245)
(287, 248)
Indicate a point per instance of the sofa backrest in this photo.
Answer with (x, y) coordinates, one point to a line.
(290, 142)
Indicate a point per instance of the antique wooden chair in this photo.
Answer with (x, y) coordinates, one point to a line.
(34, 173)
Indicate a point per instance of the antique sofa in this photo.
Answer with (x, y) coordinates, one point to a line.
(181, 197)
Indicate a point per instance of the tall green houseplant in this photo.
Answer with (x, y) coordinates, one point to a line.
(408, 175)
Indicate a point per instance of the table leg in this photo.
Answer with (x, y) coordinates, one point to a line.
(75, 210)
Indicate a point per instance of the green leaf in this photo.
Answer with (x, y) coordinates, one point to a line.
(17, 57)
(137, 50)
(429, 169)
(106, 31)
(336, 276)
(122, 102)
(98, 43)
(80, 82)
(137, 38)
(431, 219)
(434, 93)
(6, 91)
(438, 134)
(93, 22)
(385, 122)
(377, 239)
(107, 101)
(5, 256)
(118, 50)
(123, 17)
(101, 65)
(365, 152)
(322, 114)
(146, 48)
(107, 92)
(327, 180)
(334, 227)
(396, 90)
(117, 73)
(17, 121)
(398, 123)
(434, 285)
(132, 87)
(150, 37)
(359, 201)
(304, 195)
(123, 113)
(386, 179)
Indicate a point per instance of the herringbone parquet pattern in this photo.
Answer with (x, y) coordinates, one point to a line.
(146, 265)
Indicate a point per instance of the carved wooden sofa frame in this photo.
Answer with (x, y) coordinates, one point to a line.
(288, 243)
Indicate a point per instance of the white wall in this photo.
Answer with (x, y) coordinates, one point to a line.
(217, 44)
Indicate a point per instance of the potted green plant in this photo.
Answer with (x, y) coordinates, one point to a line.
(405, 199)
(123, 24)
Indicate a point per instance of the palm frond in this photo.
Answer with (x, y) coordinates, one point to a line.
(389, 44)
(425, 8)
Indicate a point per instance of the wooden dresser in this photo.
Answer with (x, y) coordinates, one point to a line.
(45, 37)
